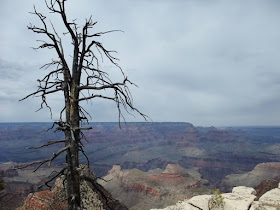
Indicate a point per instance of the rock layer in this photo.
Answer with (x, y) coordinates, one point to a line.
(155, 188)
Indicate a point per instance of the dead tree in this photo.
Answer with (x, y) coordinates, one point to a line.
(68, 78)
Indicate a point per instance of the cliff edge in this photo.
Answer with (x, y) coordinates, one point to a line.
(241, 198)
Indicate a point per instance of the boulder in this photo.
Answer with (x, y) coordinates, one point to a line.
(244, 190)
(200, 201)
(235, 201)
(272, 197)
(268, 201)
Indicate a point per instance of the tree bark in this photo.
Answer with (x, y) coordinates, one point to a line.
(73, 177)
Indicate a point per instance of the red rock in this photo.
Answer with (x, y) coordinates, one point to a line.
(43, 200)
(266, 185)
(143, 188)
(167, 178)
(275, 166)
(174, 169)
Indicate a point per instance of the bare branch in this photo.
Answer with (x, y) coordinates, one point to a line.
(96, 96)
(61, 172)
(41, 162)
(43, 94)
(102, 33)
(82, 150)
(55, 155)
(48, 144)
(82, 128)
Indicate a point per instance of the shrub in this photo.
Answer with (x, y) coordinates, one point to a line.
(216, 201)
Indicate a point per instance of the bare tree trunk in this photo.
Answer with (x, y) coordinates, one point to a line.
(61, 79)
(73, 177)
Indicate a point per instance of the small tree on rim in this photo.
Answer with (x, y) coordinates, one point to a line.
(67, 78)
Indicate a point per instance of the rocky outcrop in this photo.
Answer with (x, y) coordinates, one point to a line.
(269, 201)
(93, 196)
(241, 198)
(253, 178)
(155, 188)
(43, 200)
(175, 175)
(174, 169)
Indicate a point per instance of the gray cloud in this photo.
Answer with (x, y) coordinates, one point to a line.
(206, 62)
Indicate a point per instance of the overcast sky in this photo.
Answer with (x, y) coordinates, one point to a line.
(207, 62)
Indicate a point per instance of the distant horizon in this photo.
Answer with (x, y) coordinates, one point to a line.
(217, 126)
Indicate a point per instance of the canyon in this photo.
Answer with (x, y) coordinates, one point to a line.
(148, 161)
(155, 188)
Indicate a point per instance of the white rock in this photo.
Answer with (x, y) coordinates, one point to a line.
(244, 190)
(279, 185)
(234, 201)
(181, 205)
(241, 198)
(271, 197)
(201, 201)
(256, 205)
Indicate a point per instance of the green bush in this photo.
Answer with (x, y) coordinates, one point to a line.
(216, 201)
